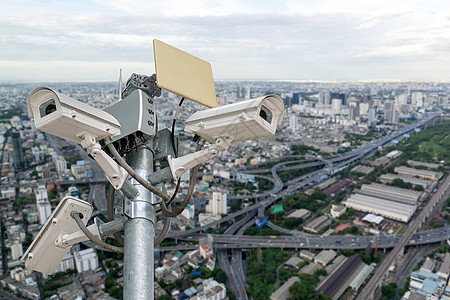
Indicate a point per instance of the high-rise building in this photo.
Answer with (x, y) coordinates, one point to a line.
(66, 263)
(61, 164)
(396, 117)
(355, 103)
(401, 99)
(218, 204)
(86, 260)
(352, 113)
(389, 112)
(293, 123)
(363, 108)
(371, 115)
(417, 99)
(336, 105)
(296, 97)
(324, 97)
(43, 206)
(337, 96)
(248, 92)
(16, 250)
(19, 161)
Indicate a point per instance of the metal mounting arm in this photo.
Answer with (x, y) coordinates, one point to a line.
(65, 240)
(116, 174)
(180, 165)
(99, 229)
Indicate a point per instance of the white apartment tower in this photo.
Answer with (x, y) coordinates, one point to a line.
(16, 250)
(61, 164)
(336, 105)
(293, 123)
(86, 260)
(401, 99)
(66, 263)
(417, 99)
(372, 116)
(218, 204)
(43, 206)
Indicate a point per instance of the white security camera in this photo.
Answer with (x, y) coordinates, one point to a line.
(220, 126)
(241, 121)
(68, 118)
(75, 121)
(58, 235)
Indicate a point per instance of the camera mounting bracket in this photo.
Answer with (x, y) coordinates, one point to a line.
(182, 164)
(116, 174)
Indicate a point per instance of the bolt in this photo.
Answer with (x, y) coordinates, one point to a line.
(150, 101)
(150, 123)
(150, 111)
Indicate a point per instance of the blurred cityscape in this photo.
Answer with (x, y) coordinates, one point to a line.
(351, 192)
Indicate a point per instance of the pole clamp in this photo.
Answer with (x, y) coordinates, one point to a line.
(139, 209)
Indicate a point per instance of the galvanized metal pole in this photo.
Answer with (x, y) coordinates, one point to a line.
(139, 232)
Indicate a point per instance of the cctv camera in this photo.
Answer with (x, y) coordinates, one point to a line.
(57, 235)
(220, 126)
(68, 118)
(241, 121)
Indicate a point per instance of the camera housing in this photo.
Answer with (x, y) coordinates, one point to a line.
(52, 243)
(68, 118)
(241, 121)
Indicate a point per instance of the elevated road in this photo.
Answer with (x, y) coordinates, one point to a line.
(232, 241)
(236, 279)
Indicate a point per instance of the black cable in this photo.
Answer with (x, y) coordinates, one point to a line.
(135, 175)
(175, 150)
(93, 238)
(174, 193)
(110, 203)
(169, 213)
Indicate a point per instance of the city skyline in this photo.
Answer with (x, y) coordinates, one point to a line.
(243, 40)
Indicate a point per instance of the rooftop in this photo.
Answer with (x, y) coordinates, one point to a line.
(373, 219)
(283, 292)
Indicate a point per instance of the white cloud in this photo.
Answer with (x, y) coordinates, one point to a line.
(242, 39)
(54, 70)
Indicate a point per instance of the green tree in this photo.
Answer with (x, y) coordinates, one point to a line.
(438, 224)
(109, 283)
(304, 290)
(418, 188)
(219, 275)
(389, 290)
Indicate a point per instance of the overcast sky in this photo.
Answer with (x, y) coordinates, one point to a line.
(258, 39)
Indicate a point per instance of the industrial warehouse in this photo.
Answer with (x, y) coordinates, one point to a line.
(426, 184)
(411, 172)
(391, 202)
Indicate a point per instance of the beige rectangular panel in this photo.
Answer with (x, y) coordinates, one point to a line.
(184, 74)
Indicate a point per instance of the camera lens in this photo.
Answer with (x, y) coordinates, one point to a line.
(265, 114)
(50, 108)
(47, 108)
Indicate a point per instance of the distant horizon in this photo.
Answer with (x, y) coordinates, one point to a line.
(247, 80)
